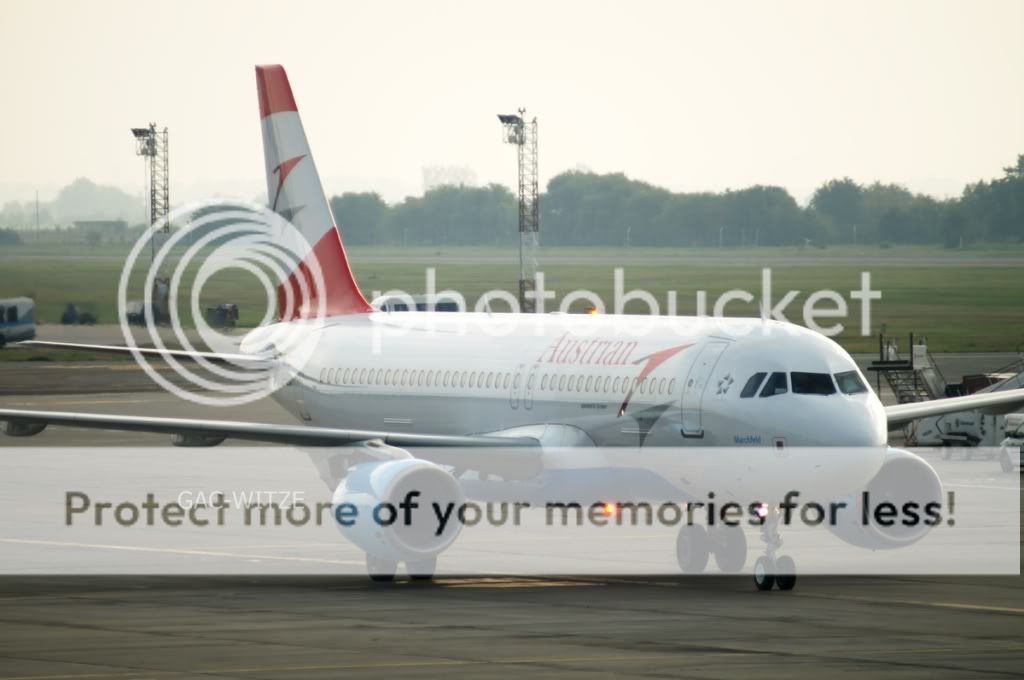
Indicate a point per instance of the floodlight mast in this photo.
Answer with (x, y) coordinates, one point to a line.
(151, 144)
(516, 130)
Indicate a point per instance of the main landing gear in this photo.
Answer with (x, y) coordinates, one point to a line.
(772, 569)
(695, 544)
(383, 570)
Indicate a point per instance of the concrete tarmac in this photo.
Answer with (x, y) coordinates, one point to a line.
(323, 627)
(710, 627)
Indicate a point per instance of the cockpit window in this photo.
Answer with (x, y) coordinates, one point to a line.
(812, 383)
(776, 384)
(750, 389)
(850, 383)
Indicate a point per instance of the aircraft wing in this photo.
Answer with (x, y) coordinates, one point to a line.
(1007, 401)
(506, 456)
(151, 352)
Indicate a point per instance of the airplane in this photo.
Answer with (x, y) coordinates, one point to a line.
(456, 413)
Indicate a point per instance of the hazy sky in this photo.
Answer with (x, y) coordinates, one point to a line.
(691, 96)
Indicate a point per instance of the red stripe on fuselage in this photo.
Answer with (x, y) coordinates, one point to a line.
(653, 361)
(340, 293)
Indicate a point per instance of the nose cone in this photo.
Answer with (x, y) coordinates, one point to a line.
(862, 422)
(839, 420)
(858, 421)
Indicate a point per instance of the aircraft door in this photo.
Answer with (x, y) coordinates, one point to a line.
(515, 389)
(528, 388)
(696, 382)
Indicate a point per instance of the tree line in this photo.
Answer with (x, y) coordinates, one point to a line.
(588, 209)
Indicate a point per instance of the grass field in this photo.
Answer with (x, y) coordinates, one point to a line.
(120, 250)
(959, 307)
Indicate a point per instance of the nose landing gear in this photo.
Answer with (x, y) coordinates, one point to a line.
(695, 544)
(772, 569)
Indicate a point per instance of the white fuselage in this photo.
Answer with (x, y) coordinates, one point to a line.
(656, 383)
(623, 380)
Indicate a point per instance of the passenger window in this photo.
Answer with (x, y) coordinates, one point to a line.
(362, 377)
(850, 383)
(750, 389)
(776, 384)
(615, 384)
(561, 382)
(672, 386)
(661, 386)
(590, 382)
(812, 383)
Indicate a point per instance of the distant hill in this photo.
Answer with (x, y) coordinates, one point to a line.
(83, 199)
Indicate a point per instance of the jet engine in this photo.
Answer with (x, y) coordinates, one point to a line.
(908, 483)
(393, 506)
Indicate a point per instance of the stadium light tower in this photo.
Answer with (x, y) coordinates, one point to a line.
(516, 130)
(151, 144)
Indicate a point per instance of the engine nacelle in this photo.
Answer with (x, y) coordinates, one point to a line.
(396, 502)
(190, 439)
(904, 478)
(22, 428)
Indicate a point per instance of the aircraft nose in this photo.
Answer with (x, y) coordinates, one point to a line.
(847, 422)
(861, 423)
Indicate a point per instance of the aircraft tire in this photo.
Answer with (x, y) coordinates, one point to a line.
(692, 550)
(422, 570)
(764, 578)
(730, 548)
(380, 570)
(785, 573)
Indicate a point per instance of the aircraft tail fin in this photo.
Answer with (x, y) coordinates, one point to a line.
(295, 192)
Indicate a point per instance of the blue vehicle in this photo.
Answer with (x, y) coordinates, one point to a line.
(17, 320)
